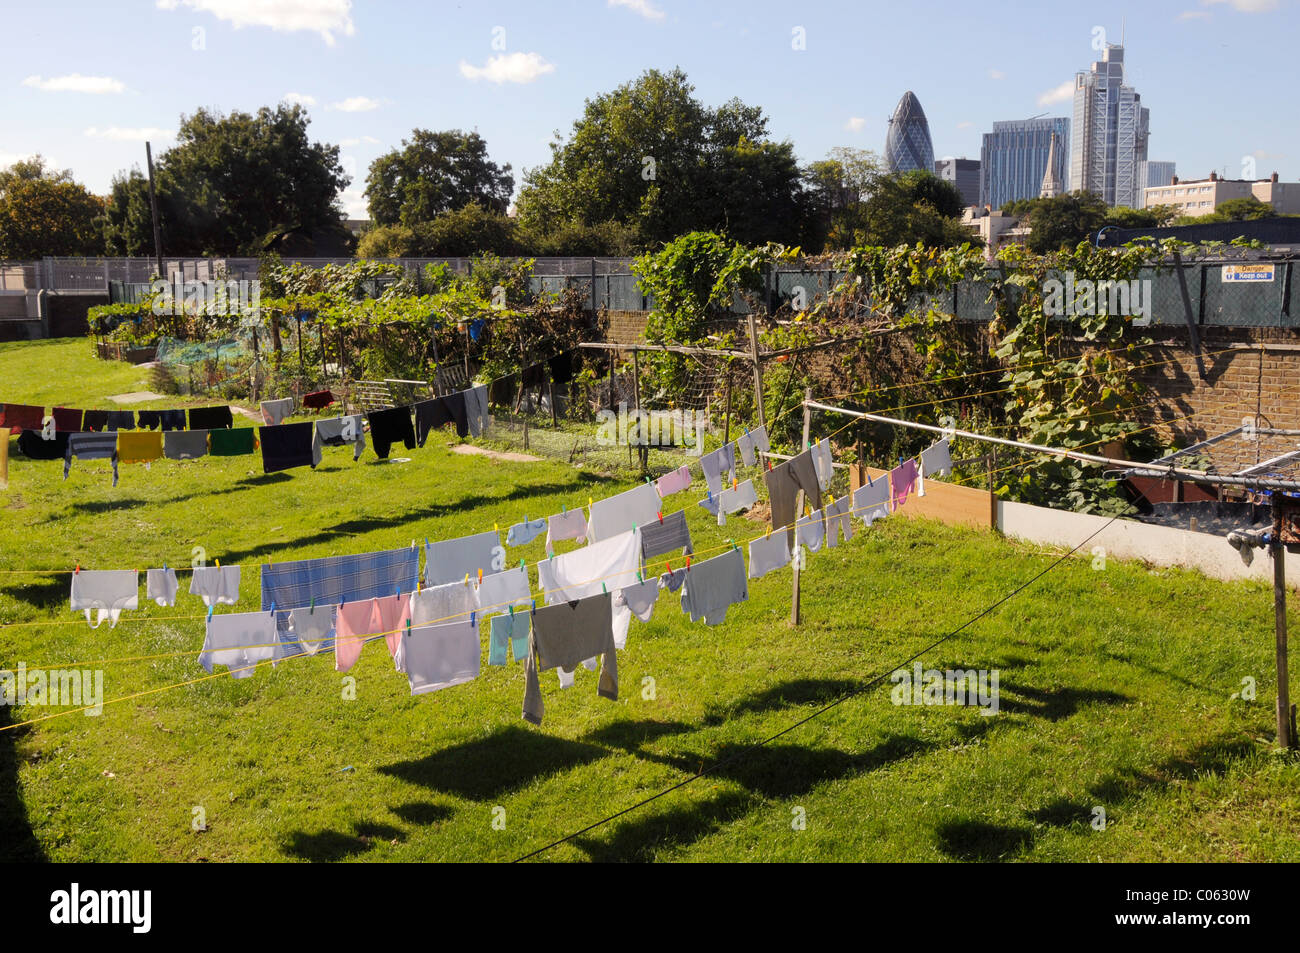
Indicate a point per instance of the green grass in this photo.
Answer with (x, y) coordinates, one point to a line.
(1116, 691)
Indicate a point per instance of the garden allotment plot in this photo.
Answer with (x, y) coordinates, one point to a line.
(1116, 690)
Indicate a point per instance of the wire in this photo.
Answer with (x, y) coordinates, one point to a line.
(845, 696)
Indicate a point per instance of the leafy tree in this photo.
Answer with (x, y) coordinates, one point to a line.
(909, 207)
(434, 173)
(44, 212)
(128, 220)
(652, 156)
(1156, 216)
(835, 190)
(471, 230)
(233, 180)
(1061, 222)
(1243, 210)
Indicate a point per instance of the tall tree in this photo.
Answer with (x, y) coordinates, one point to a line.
(1060, 222)
(652, 156)
(44, 212)
(233, 180)
(433, 173)
(837, 188)
(909, 207)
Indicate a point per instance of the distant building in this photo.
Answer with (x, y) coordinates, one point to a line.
(1110, 132)
(1152, 174)
(357, 226)
(994, 228)
(963, 173)
(1013, 159)
(1052, 185)
(907, 144)
(1203, 196)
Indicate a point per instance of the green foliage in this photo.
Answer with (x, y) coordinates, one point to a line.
(229, 183)
(44, 212)
(1060, 222)
(651, 156)
(460, 233)
(911, 207)
(1076, 397)
(435, 173)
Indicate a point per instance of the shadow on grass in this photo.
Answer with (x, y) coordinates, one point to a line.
(422, 812)
(503, 762)
(981, 841)
(51, 592)
(642, 839)
(328, 846)
(1213, 757)
(1054, 704)
(802, 691)
(17, 840)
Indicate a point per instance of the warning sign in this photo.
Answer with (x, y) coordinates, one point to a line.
(1259, 271)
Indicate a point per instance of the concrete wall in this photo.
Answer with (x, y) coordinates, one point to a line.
(1127, 539)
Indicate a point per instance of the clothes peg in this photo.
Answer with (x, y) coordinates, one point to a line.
(312, 610)
(563, 509)
(397, 591)
(669, 565)
(512, 610)
(733, 544)
(218, 563)
(522, 564)
(638, 577)
(480, 577)
(471, 619)
(272, 606)
(467, 579)
(735, 484)
(769, 532)
(408, 628)
(534, 604)
(412, 544)
(710, 493)
(688, 563)
(589, 503)
(496, 528)
(210, 608)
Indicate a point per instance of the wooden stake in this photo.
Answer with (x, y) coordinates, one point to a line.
(1284, 739)
(726, 436)
(758, 370)
(798, 512)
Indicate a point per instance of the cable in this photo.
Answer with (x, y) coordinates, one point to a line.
(857, 690)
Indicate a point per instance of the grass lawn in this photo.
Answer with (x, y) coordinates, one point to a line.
(1116, 690)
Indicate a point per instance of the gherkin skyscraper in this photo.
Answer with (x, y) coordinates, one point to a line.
(908, 146)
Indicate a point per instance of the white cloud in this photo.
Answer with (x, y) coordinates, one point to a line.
(646, 8)
(354, 202)
(357, 104)
(1194, 15)
(302, 99)
(76, 83)
(855, 124)
(326, 17)
(362, 140)
(997, 74)
(508, 68)
(1057, 94)
(138, 134)
(9, 158)
(1246, 6)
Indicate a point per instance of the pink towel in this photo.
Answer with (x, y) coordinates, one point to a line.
(356, 620)
(901, 480)
(393, 614)
(674, 482)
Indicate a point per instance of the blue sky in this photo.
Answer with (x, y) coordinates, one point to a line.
(85, 83)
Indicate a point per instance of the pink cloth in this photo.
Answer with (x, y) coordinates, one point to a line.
(350, 629)
(674, 482)
(901, 480)
(357, 620)
(392, 614)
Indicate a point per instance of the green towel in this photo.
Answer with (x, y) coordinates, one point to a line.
(232, 442)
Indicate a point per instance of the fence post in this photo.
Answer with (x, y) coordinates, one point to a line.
(1278, 552)
(758, 370)
(726, 427)
(798, 512)
(594, 309)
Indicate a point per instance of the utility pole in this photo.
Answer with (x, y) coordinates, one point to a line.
(153, 209)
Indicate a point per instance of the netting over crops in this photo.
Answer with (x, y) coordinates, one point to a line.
(201, 366)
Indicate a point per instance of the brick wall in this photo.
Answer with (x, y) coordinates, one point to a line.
(1247, 371)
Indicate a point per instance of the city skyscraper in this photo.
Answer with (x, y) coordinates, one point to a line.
(1154, 173)
(1013, 159)
(1110, 132)
(907, 144)
(963, 173)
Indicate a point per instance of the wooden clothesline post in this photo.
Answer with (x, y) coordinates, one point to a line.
(1278, 552)
(798, 511)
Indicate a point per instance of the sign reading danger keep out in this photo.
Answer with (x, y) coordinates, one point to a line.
(1254, 272)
